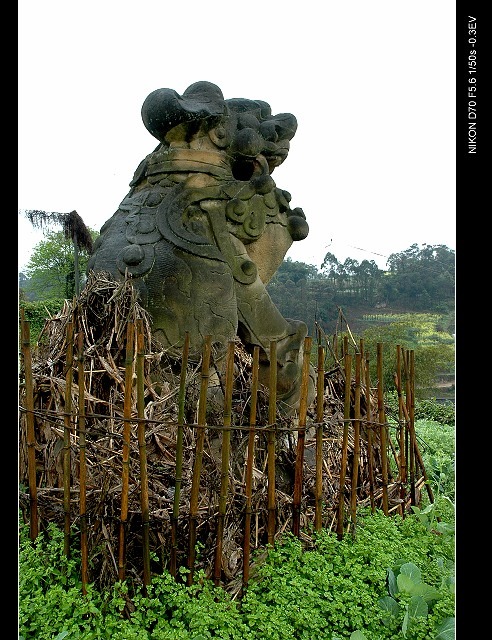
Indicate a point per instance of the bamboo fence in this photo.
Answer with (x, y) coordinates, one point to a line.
(153, 463)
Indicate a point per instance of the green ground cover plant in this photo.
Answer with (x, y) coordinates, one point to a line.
(389, 578)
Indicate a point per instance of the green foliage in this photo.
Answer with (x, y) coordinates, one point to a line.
(173, 611)
(295, 272)
(435, 432)
(429, 517)
(333, 590)
(430, 409)
(410, 596)
(50, 271)
(300, 292)
(437, 445)
(36, 313)
(434, 351)
(50, 600)
(425, 409)
(418, 275)
(419, 280)
(436, 427)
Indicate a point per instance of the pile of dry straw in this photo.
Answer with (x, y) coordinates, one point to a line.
(102, 313)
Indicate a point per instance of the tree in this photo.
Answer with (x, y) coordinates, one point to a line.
(300, 292)
(50, 272)
(330, 266)
(295, 272)
(368, 277)
(420, 276)
(434, 350)
(73, 228)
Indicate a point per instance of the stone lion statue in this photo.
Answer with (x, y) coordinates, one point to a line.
(204, 228)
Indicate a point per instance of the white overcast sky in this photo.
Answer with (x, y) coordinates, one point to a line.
(371, 83)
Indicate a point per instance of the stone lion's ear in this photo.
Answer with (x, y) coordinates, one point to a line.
(164, 109)
(204, 96)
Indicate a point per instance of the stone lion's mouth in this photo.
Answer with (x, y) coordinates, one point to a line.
(275, 154)
(275, 160)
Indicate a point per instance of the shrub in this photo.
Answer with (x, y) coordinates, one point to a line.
(428, 409)
(36, 313)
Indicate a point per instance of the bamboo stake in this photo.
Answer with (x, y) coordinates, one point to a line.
(411, 434)
(179, 456)
(355, 464)
(319, 441)
(272, 421)
(345, 344)
(249, 465)
(411, 413)
(125, 473)
(144, 481)
(66, 437)
(197, 464)
(407, 433)
(31, 438)
(83, 464)
(370, 439)
(226, 445)
(401, 432)
(393, 451)
(342, 317)
(382, 428)
(301, 438)
(417, 453)
(343, 467)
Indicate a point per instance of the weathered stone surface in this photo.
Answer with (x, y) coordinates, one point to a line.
(204, 227)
